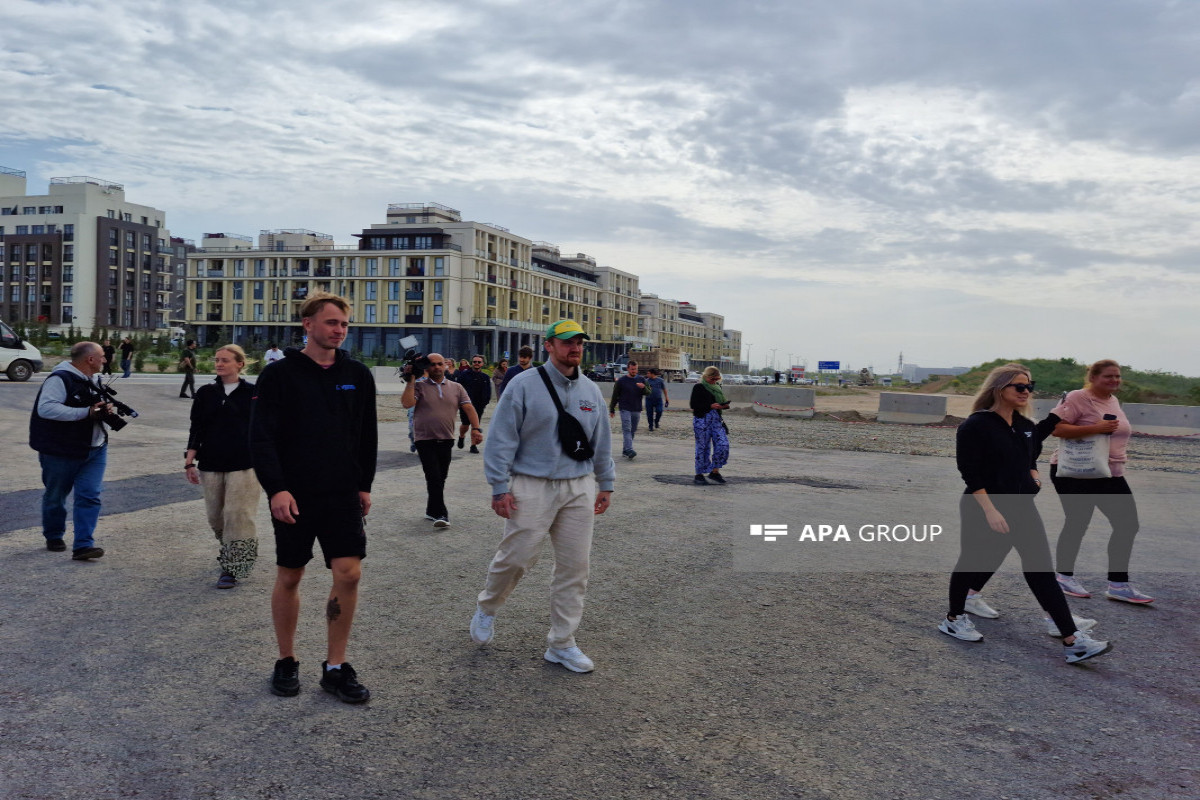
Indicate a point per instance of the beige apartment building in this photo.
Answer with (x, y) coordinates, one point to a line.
(83, 255)
(460, 287)
(700, 334)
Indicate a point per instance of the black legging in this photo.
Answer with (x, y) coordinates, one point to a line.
(984, 550)
(1079, 498)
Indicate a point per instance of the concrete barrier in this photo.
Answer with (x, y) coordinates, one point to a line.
(911, 409)
(781, 401)
(385, 375)
(1162, 420)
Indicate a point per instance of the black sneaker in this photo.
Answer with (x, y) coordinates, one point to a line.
(699, 480)
(343, 682)
(86, 553)
(286, 680)
(461, 439)
(716, 477)
(473, 449)
(56, 545)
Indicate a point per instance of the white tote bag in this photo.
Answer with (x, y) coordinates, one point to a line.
(1084, 458)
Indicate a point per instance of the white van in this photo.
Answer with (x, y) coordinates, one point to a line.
(18, 359)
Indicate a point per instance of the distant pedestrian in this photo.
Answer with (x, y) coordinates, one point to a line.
(712, 438)
(479, 389)
(628, 391)
(127, 349)
(542, 489)
(273, 353)
(110, 355)
(187, 365)
(218, 457)
(657, 400)
(498, 377)
(524, 362)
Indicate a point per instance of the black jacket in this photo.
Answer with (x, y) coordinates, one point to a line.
(56, 437)
(220, 432)
(312, 430)
(701, 401)
(995, 456)
(478, 386)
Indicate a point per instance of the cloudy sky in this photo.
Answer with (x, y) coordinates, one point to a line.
(960, 181)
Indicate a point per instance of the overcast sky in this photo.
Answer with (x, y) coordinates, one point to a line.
(960, 181)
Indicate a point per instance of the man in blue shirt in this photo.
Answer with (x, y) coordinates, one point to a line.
(627, 394)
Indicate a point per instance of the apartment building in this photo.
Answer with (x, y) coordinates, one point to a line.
(700, 334)
(460, 287)
(83, 255)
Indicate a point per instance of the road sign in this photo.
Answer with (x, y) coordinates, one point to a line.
(824, 365)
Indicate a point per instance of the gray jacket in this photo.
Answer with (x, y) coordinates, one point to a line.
(523, 433)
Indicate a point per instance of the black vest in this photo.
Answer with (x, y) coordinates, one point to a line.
(67, 439)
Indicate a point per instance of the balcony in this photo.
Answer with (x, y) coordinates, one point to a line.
(491, 278)
(214, 317)
(413, 319)
(416, 296)
(512, 304)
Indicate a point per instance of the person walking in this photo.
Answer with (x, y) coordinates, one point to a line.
(110, 355)
(541, 490)
(997, 451)
(218, 457)
(313, 442)
(436, 402)
(628, 391)
(66, 430)
(1095, 411)
(479, 389)
(273, 354)
(657, 400)
(524, 362)
(127, 349)
(187, 365)
(498, 372)
(708, 426)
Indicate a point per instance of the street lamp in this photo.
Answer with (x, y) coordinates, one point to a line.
(773, 349)
(748, 346)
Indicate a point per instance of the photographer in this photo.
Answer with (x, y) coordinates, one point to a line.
(66, 428)
(436, 402)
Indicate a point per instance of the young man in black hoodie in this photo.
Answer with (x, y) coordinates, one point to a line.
(313, 440)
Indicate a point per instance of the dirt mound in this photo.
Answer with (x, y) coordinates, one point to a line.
(843, 416)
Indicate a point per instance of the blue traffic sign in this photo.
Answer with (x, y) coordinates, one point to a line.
(829, 365)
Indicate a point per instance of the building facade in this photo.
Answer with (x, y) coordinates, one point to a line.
(83, 255)
(458, 287)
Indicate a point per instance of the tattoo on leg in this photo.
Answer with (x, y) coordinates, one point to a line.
(333, 610)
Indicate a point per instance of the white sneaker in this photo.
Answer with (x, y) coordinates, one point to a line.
(482, 626)
(570, 657)
(1081, 624)
(1083, 647)
(1071, 587)
(1126, 593)
(441, 522)
(961, 628)
(976, 605)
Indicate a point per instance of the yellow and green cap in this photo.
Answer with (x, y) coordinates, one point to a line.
(565, 329)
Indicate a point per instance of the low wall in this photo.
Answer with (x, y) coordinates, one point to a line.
(1160, 420)
(911, 409)
(385, 375)
(779, 401)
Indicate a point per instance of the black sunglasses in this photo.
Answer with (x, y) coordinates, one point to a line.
(1021, 387)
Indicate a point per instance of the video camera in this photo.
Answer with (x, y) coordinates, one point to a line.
(103, 393)
(415, 363)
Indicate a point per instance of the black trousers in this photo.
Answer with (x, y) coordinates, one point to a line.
(189, 384)
(435, 460)
(984, 550)
(1080, 498)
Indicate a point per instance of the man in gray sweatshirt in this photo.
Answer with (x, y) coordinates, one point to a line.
(541, 492)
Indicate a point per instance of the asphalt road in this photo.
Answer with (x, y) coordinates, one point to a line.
(133, 677)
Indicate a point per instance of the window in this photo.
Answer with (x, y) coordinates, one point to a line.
(439, 266)
(437, 290)
(112, 214)
(393, 266)
(22, 229)
(237, 312)
(260, 267)
(238, 287)
(68, 252)
(239, 267)
(369, 309)
(127, 217)
(258, 290)
(372, 287)
(372, 267)
(145, 237)
(130, 238)
(28, 210)
(422, 242)
(258, 312)
(39, 228)
(199, 290)
(393, 314)
(69, 229)
(68, 274)
(68, 314)
(393, 290)
(16, 294)
(437, 315)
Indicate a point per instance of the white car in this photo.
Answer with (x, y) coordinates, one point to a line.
(692, 377)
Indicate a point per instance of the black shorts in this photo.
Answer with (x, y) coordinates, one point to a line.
(337, 523)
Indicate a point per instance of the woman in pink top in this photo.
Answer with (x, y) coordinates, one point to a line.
(1090, 411)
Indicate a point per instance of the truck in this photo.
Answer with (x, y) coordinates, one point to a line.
(671, 362)
(18, 358)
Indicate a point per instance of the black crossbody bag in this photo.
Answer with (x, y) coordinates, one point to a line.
(571, 435)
